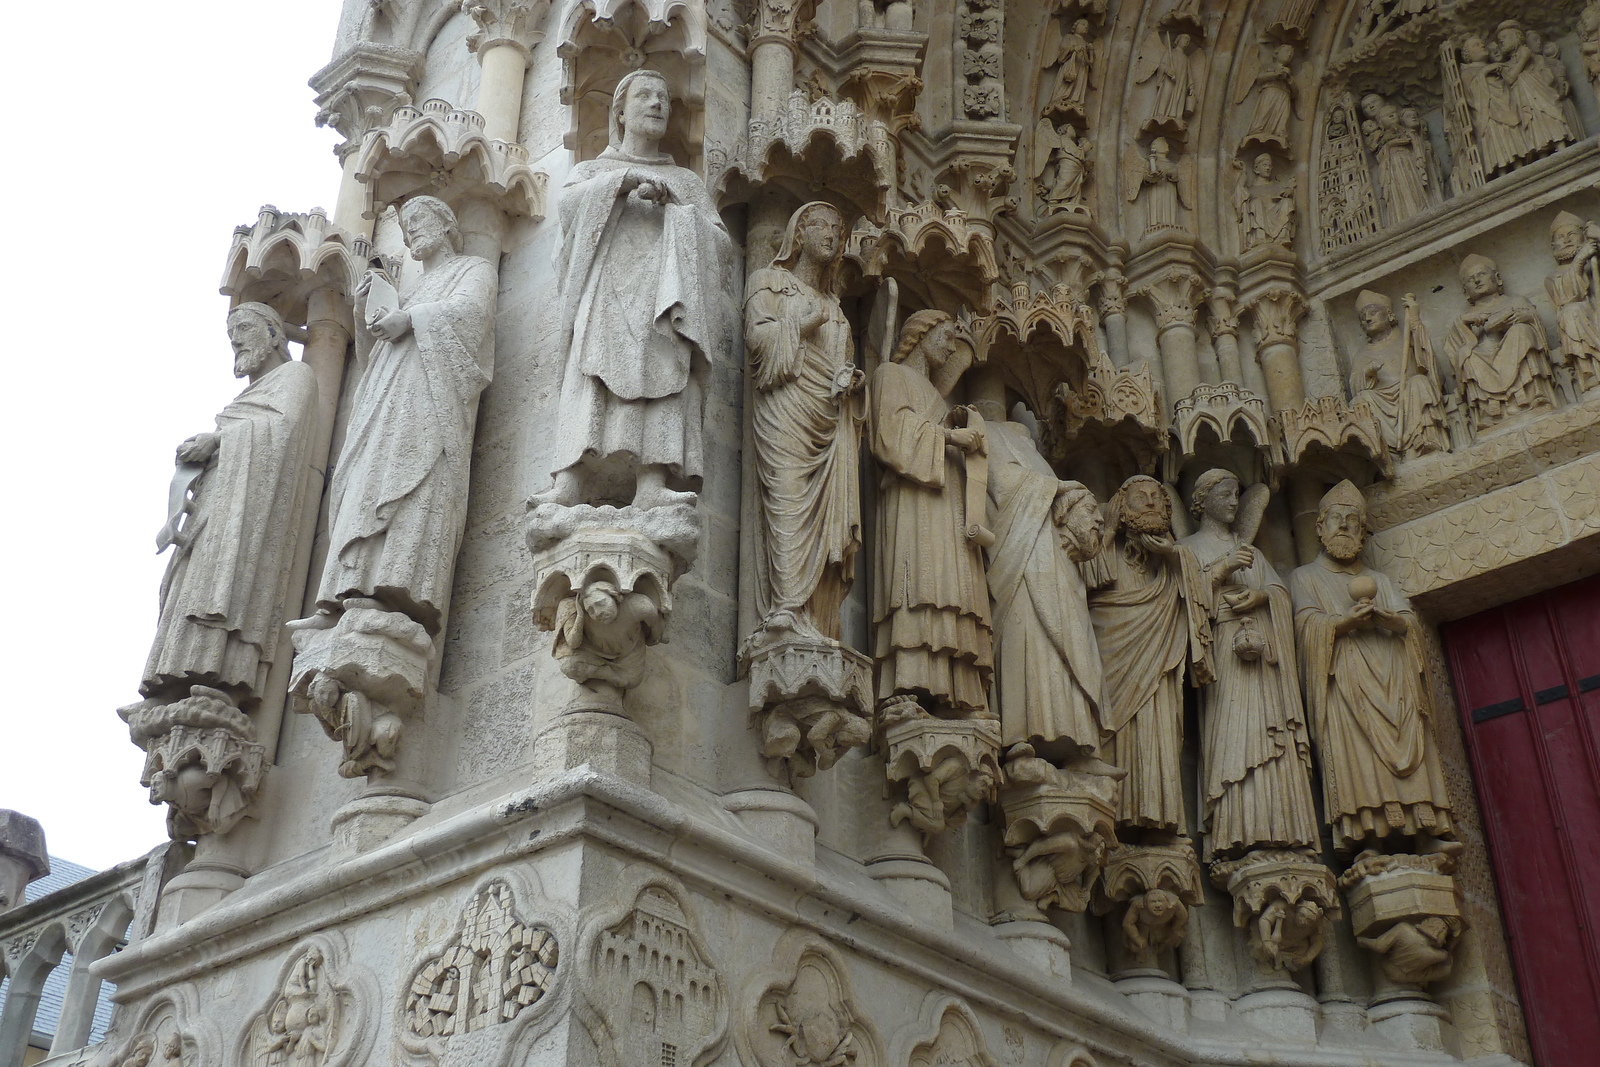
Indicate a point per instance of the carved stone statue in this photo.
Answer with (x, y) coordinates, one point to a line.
(1147, 602)
(930, 599)
(1366, 690)
(601, 635)
(1395, 373)
(1535, 89)
(1076, 59)
(1255, 753)
(398, 500)
(1060, 146)
(1574, 289)
(1275, 103)
(1164, 182)
(1498, 348)
(1165, 60)
(304, 1021)
(1402, 154)
(641, 270)
(1589, 43)
(806, 417)
(1264, 206)
(237, 492)
(1047, 686)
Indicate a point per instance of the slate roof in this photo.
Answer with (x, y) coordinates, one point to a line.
(63, 873)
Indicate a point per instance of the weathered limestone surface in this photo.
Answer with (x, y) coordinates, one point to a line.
(752, 614)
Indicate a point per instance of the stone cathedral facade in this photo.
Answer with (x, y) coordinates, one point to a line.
(832, 533)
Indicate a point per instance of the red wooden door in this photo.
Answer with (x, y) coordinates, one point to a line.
(1527, 681)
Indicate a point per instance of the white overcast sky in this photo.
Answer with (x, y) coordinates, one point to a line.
(141, 134)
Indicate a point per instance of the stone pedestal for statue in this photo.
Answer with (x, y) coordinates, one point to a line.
(1281, 899)
(1059, 826)
(1150, 889)
(364, 679)
(949, 766)
(810, 698)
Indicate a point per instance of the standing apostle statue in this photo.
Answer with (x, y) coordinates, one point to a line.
(1371, 716)
(640, 271)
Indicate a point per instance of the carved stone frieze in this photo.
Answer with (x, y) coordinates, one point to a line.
(1406, 912)
(949, 766)
(957, 1041)
(313, 1019)
(1282, 899)
(201, 759)
(808, 1016)
(442, 151)
(653, 993)
(1154, 886)
(980, 85)
(497, 967)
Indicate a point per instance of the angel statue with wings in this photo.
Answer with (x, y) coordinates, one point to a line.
(1164, 182)
(1061, 147)
(1166, 61)
(1077, 57)
(1272, 79)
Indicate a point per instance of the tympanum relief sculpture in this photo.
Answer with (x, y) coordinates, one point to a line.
(1264, 204)
(1059, 798)
(809, 692)
(1166, 62)
(397, 500)
(641, 277)
(1161, 182)
(930, 604)
(1406, 174)
(1061, 165)
(1498, 349)
(1574, 289)
(1513, 95)
(234, 504)
(1396, 375)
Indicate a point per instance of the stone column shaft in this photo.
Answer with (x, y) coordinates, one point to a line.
(1180, 363)
(505, 65)
(349, 208)
(771, 76)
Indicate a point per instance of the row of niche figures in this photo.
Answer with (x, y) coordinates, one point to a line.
(1498, 349)
(1507, 101)
(1007, 600)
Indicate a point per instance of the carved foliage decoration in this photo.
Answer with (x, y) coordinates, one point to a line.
(980, 31)
(653, 997)
(314, 1017)
(806, 1014)
(496, 967)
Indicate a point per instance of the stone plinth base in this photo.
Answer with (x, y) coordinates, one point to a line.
(197, 888)
(1040, 944)
(921, 887)
(1289, 1015)
(1160, 998)
(606, 742)
(1413, 1022)
(367, 822)
(780, 820)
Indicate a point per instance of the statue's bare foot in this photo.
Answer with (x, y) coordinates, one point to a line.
(565, 490)
(659, 496)
(322, 619)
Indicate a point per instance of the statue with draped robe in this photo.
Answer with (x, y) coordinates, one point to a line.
(1574, 289)
(641, 272)
(1255, 753)
(807, 412)
(930, 604)
(1366, 689)
(398, 498)
(238, 493)
(1395, 375)
(1498, 348)
(1148, 603)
